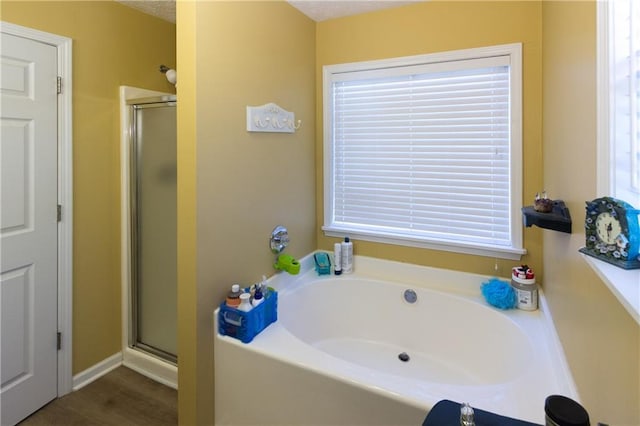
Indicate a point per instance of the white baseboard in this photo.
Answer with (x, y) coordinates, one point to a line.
(87, 376)
(151, 367)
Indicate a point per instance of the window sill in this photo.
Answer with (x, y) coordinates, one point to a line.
(624, 284)
(495, 252)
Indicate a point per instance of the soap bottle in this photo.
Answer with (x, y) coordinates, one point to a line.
(466, 415)
(257, 296)
(233, 297)
(337, 258)
(245, 303)
(346, 256)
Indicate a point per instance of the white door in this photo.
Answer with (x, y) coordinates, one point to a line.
(28, 227)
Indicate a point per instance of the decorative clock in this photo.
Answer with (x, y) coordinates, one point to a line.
(612, 231)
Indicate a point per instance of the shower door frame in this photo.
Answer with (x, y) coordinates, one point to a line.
(133, 105)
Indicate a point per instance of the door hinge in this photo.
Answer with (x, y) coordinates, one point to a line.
(59, 340)
(59, 213)
(59, 85)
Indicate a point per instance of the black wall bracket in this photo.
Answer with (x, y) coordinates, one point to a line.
(558, 219)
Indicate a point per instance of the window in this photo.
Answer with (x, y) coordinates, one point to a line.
(619, 100)
(618, 147)
(426, 151)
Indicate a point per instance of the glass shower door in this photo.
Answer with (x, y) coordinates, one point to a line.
(154, 227)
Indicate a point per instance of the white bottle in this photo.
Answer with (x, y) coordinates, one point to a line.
(337, 258)
(245, 302)
(346, 256)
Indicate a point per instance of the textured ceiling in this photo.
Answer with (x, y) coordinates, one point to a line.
(318, 10)
(164, 9)
(322, 10)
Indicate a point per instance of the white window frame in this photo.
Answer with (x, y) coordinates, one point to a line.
(514, 51)
(622, 283)
(603, 163)
(605, 180)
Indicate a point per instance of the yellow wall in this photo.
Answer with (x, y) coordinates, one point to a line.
(243, 184)
(113, 45)
(433, 27)
(600, 339)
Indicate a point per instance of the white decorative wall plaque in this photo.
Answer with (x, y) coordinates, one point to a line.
(271, 118)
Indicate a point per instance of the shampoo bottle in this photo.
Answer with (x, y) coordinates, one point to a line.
(233, 297)
(337, 258)
(346, 256)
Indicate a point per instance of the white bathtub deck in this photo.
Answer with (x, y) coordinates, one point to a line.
(366, 370)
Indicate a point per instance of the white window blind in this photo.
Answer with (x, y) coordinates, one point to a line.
(625, 99)
(423, 152)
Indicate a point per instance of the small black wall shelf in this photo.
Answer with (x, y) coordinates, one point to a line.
(558, 219)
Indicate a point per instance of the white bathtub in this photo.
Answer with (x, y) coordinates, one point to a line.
(333, 355)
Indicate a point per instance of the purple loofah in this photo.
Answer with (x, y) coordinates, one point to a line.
(499, 293)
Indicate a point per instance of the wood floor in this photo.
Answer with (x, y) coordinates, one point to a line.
(121, 397)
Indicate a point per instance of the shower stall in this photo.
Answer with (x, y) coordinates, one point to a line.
(150, 214)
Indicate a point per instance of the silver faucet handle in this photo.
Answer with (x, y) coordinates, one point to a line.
(279, 239)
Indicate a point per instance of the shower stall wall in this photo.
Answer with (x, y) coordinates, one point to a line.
(150, 213)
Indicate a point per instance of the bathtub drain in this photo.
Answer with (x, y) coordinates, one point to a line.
(404, 357)
(410, 296)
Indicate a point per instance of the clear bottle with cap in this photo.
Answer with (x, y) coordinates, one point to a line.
(264, 287)
(233, 297)
(466, 415)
